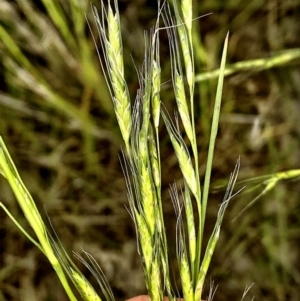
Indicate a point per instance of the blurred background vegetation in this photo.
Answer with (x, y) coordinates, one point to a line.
(57, 120)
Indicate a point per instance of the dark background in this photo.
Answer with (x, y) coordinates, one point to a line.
(57, 120)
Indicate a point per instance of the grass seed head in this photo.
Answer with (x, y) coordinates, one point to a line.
(114, 37)
(190, 224)
(156, 286)
(182, 105)
(187, 55)
(156, 74)
(185, 164)
(155, 167)
(187, 13)
(87, 292)
(185, 276)
(148, 198)
(113, 61)
(145, 241)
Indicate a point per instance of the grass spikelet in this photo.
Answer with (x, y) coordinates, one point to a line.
(177, 78)
(145, 241)
(183, 157)
(187, 57)
(147, 194)
(114, 37)
(182, 106)
(155, 165)
(87, 292)
(190, 225)
(187, 13)
(156, 72)
(114, 66)
(97, 272)
(185, 276)
(156, 283)
(82, 285)
(184, 29)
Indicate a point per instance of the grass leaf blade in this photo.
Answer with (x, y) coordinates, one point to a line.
(214, 130)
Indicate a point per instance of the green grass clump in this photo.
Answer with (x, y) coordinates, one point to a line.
(139, 128)
(140, 124)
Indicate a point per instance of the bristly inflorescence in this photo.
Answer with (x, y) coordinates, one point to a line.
(108, 26)
(139, 125)
(140, 130)
(139, 121)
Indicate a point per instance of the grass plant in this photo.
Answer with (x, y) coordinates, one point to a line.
(140, 125)
(139, 128)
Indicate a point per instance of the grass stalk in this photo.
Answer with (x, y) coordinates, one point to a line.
(32, 214)
(280, 58)
(139, 123)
